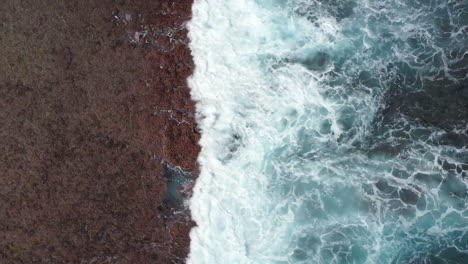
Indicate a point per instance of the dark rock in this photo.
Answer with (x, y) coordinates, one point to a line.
(87, 115)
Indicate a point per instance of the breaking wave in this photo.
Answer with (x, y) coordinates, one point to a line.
(333, 131)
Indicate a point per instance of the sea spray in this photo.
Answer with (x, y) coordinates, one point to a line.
(332, 131)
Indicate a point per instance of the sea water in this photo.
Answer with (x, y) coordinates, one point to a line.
(333, 131)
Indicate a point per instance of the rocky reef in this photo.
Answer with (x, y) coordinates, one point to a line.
(97, 133)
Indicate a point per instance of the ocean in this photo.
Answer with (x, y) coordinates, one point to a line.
(332, 131)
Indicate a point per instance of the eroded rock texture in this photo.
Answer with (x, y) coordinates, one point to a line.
(94, 111)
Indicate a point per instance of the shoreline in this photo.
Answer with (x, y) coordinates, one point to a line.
(95, 115)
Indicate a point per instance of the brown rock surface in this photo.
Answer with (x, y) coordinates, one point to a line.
(93, 105)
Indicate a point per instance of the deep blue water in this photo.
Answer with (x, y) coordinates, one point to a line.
(332, 131)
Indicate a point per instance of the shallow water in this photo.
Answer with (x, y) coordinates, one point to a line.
(332, 131)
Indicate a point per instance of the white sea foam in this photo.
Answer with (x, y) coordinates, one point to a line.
(230, 204)
(283, 175)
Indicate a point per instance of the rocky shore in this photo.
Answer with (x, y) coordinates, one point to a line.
(97, 133)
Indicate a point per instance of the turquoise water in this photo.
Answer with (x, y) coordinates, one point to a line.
(332, 131)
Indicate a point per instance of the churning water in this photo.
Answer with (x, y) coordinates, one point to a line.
(333, 131)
